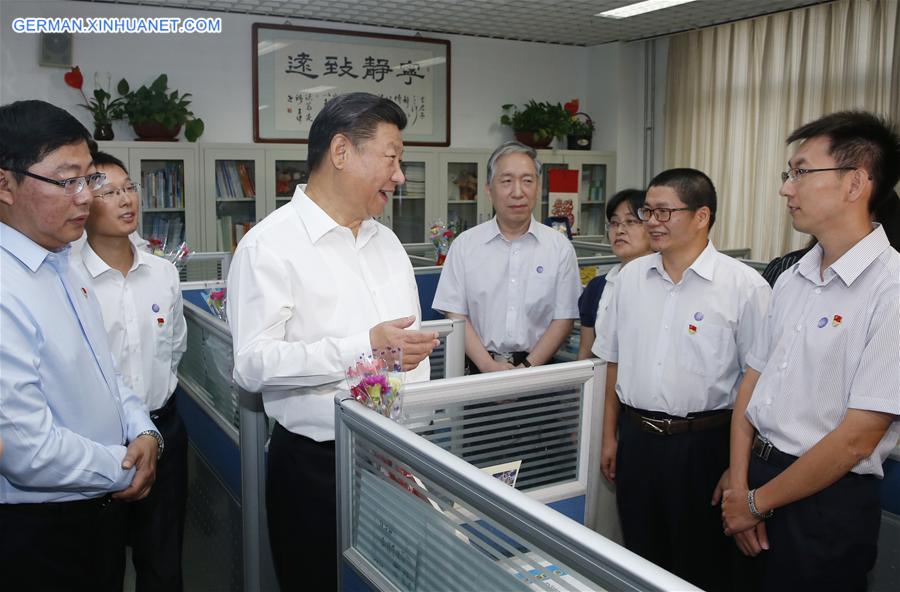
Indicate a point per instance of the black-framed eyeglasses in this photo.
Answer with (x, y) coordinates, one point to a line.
(661, 214)
(129, 189)
(794, 175)
(628, 224)
(73, 185)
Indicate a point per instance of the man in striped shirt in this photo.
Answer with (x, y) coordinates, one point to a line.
(819, 407)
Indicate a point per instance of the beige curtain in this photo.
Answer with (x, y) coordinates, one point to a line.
(735, 92)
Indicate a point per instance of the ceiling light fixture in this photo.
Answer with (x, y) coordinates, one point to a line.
(640, 8)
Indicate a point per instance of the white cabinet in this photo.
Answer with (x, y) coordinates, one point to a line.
(463, 201)
(596, 182)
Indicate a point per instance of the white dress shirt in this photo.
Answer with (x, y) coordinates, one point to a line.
(603, 303)
(65, 414)
(510, 290)
(828, 345)
(682, 348)
(303, 293)
(143, 314)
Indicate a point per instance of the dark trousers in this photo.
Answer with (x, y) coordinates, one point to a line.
(156, 523)
(825, 542)
(302, 512)
(66, 546)
(664, 485)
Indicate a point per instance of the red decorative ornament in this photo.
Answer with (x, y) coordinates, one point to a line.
(74, 78)
(571, 107)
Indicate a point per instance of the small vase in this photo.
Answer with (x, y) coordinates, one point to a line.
(103, 131)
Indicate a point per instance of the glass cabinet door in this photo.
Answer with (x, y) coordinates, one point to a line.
(288, 174)
(407, 205)
(592, 196)
(169, 196)
(235, 184)
(463, 194)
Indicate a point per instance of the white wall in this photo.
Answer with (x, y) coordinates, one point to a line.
(216, 69)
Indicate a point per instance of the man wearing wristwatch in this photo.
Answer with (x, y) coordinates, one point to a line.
(513, 280)
(143, 314)
(78, 442)
(818, 411)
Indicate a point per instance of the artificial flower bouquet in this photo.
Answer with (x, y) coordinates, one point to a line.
(177, 256)
(215, 300)
(376, 381)
(441, 235)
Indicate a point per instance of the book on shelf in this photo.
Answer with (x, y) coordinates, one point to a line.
(234, 180)
(163, 187)
(229, 233)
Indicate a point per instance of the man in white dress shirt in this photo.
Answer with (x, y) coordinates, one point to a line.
(312, 287)
(818, 411)
(514, 281)
(142, 310)
(676, 335)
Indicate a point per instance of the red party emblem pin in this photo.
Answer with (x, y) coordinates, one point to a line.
(160, 321)
(836, 320)
(692, 329)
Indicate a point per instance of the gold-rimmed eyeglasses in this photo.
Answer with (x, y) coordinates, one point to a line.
(129, 189)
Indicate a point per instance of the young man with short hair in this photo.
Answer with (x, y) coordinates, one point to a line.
(817, 413)
(140, 301)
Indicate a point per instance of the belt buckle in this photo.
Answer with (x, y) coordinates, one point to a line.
(763, 448)
(504, 357)
(652, 423)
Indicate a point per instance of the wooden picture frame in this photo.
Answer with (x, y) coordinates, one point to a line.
(297, 69)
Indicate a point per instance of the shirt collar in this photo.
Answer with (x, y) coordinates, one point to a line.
(96, 266)
(24, 249)
(704, 265)
(318, 223)
(493, 230)
(851, 264)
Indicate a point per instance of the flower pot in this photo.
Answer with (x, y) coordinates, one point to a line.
(103, 131)
(528, 139)
(154, 132)
(578, 142)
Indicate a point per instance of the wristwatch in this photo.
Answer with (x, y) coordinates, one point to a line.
(159, 441)
(526, 363)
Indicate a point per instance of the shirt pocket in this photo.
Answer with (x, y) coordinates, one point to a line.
(704, 348)
(163, 327)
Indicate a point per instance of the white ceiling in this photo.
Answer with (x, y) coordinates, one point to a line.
(563, 22)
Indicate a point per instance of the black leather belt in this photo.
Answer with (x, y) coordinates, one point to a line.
(164, 412)
(667, 425)
(514, 358)
(766, 451)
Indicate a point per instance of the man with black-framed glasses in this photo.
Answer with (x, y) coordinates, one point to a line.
(818, 411)
(678, 328)
(78, 441)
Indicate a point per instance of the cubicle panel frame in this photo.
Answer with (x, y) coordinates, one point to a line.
(579, 549)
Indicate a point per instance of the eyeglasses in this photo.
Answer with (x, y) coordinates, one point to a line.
(75, 185)
(628, 224)
(130, 189)
(661, 214)
(795, 174)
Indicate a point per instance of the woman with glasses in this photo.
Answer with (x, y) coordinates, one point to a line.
(629, 241)
(142, 310)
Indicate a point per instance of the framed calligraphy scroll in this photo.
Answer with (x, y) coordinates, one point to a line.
(297, 69)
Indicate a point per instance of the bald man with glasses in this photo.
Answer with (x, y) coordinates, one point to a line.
(78, 442)
(676, 335)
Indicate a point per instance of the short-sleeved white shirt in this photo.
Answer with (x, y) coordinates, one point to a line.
(510, 290)
(828, 345)
(682, 348)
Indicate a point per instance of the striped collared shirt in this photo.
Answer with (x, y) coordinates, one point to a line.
(829, 344)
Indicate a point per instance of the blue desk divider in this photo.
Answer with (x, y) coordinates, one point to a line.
(890, 487)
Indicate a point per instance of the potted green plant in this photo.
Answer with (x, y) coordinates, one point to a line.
(157, 114)
(537, 123)
(581, 127)
(104, 109)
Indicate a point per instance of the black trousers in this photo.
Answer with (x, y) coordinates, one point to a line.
(302, 512)
(155, 524)
(66, 546)
(825, 542)
(664, 485)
